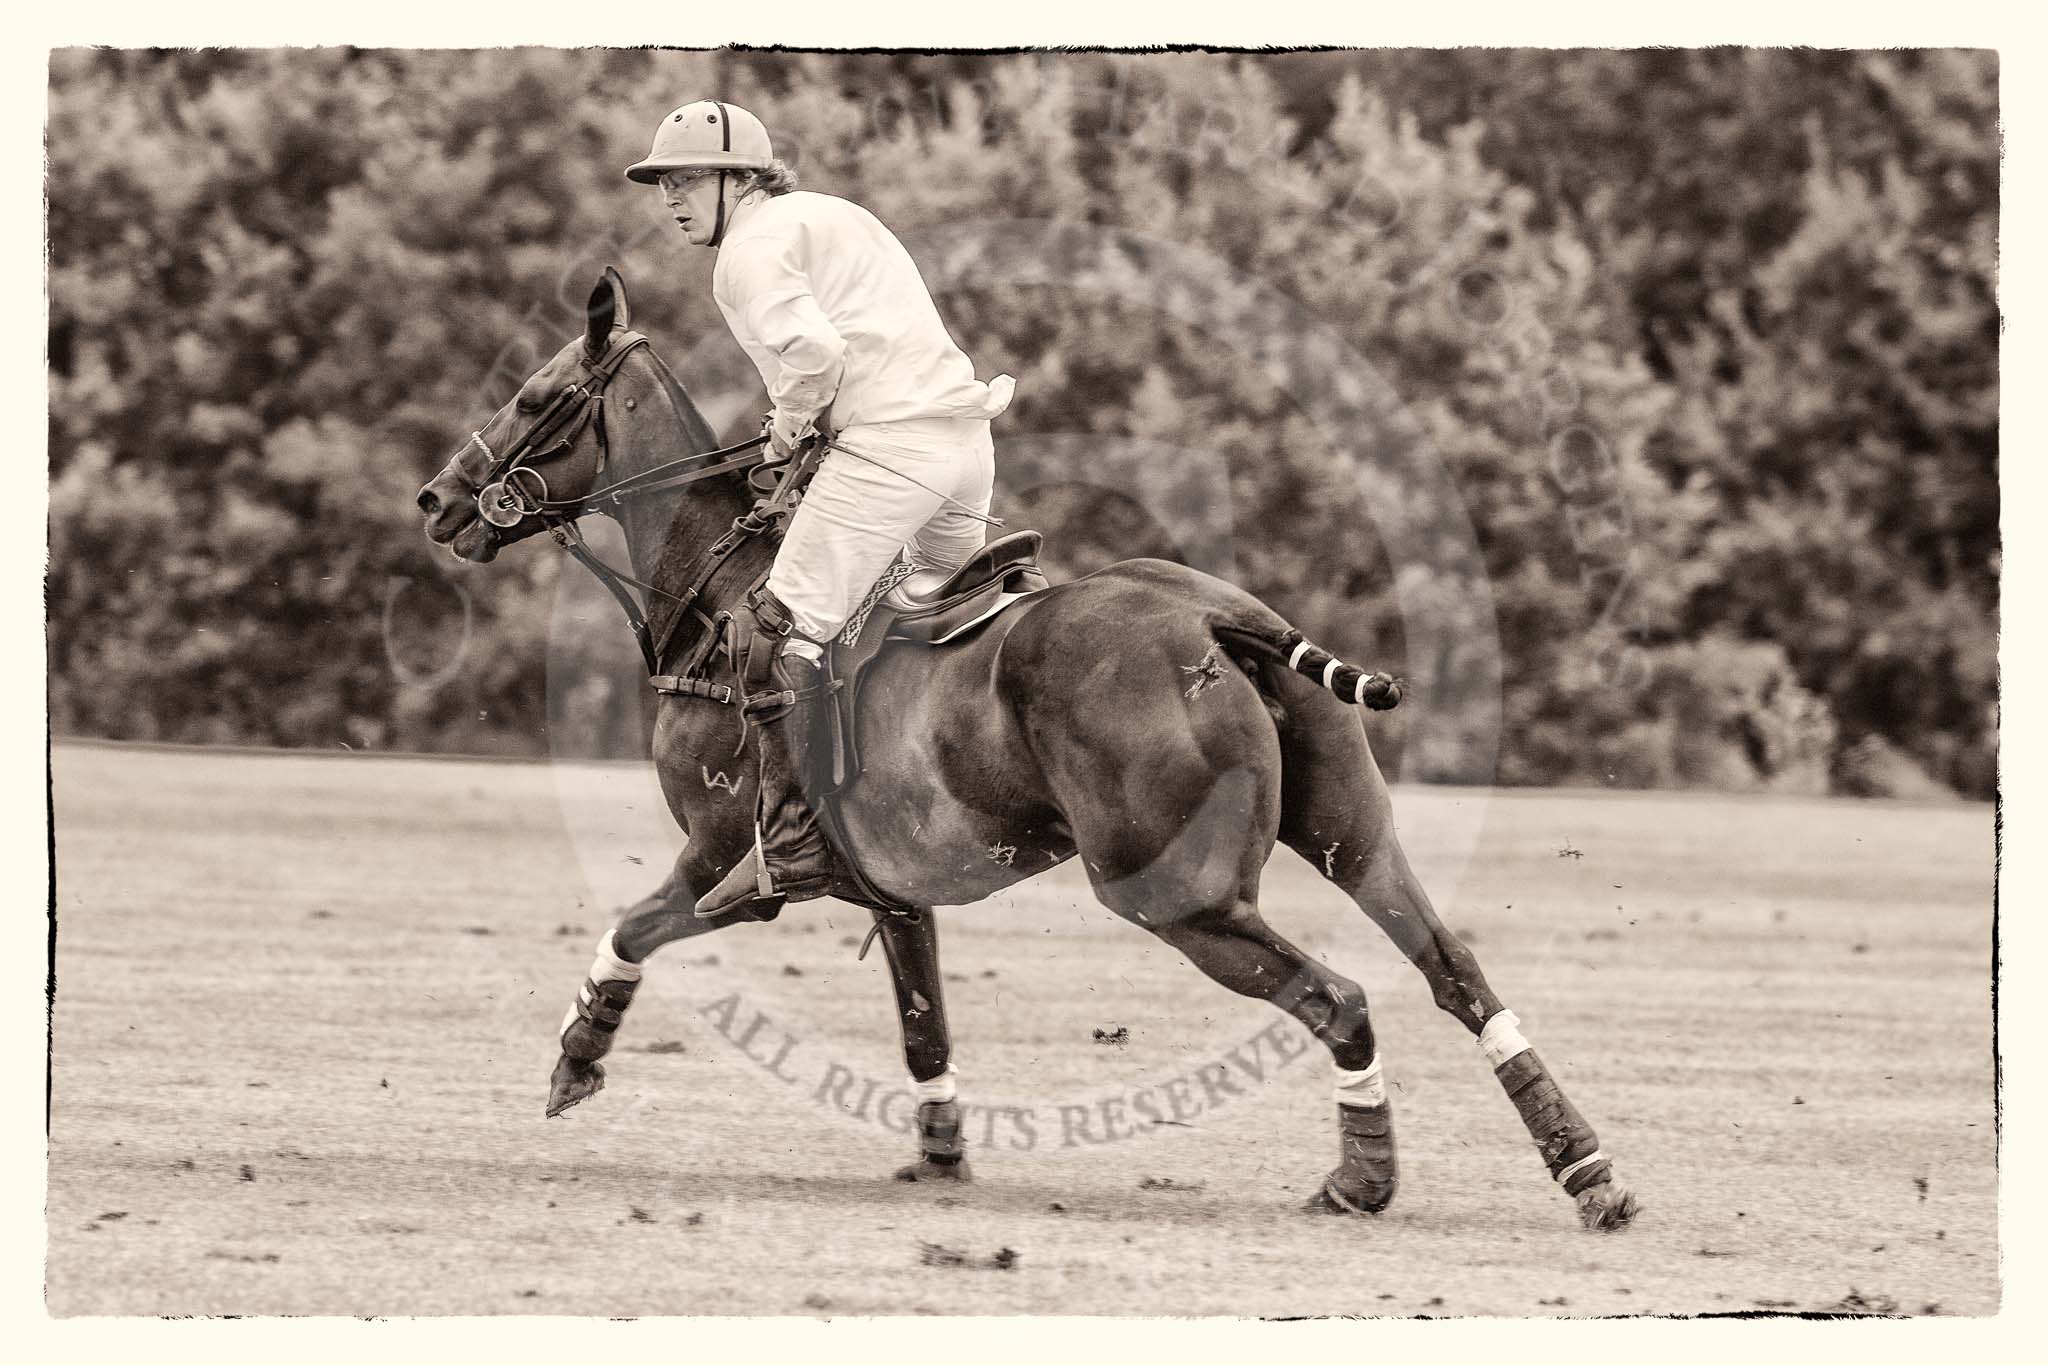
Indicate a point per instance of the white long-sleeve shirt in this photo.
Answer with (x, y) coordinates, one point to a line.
(833, 313)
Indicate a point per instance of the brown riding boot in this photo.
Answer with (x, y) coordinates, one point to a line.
(792, 860)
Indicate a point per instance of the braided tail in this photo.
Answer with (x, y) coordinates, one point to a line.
(1347, 682)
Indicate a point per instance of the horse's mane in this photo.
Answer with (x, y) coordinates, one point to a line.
(701, 436)
(678, 553)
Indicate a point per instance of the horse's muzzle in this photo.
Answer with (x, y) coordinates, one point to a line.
(448, 503)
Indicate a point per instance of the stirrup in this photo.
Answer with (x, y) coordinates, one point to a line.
(767, 899)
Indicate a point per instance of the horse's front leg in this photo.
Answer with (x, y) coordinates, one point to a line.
(912, 945)
(600, 1004)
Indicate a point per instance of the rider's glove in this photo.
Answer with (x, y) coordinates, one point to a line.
(785, 435)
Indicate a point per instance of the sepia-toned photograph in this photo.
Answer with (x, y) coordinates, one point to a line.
(1203, 683)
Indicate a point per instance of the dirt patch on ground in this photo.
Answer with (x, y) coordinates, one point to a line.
(291, 1078)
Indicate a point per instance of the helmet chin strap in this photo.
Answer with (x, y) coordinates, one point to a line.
(718, 224)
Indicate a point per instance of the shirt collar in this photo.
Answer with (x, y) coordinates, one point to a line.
(738, 214)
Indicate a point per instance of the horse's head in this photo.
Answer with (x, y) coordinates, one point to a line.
(542, 454)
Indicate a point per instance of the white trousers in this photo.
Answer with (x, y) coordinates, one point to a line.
(917, 486)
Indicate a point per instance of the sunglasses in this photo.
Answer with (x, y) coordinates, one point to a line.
(676, 182)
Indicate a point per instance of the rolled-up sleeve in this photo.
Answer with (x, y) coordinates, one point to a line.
(771, 292)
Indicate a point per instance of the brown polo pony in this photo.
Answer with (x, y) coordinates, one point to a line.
(1148, 718)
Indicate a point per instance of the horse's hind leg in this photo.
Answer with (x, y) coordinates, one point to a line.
(1236, 948)
(1240, 950)
(1388, 891)
(600, 1005)
(1339, 817)
(1184, 864)
(911, 943)
(1192, 880)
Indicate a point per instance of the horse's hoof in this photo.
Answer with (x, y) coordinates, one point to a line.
(927, 1171)
(1373, 1198)
(1607, 1206)
(573, 1083)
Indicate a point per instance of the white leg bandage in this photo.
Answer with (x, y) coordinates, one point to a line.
(609, 966)
(1581, 1164)
(940, 1089)
(1502, 1038)
(1360, 1089)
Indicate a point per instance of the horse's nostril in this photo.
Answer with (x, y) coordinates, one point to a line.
(429, 503)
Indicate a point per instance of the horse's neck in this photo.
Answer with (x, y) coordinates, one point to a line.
(665, 528)
(668, 532)
(666, 426)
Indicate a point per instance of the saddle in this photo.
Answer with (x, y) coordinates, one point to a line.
(1001, 574)
(895, 615)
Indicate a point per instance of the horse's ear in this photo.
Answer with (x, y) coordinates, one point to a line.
(608, 309)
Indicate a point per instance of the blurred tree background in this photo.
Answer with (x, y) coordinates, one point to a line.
(1705, 341)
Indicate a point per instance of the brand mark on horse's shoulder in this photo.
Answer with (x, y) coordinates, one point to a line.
(1000, 852)
(720, 782)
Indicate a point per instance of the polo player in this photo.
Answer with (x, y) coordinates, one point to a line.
(832, 311)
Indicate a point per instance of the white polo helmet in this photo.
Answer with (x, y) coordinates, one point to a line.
(709, 135)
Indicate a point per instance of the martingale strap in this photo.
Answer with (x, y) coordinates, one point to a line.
(756, 521)
(569, 538)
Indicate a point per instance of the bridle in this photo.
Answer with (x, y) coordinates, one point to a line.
(504, 499)
(502, 502)
(514, 489)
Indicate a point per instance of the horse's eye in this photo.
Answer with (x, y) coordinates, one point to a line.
(531, 404)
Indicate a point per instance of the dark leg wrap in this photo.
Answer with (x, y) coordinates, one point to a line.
(938, 1132)
(1562, 1134)
(1366, 1172)
(600, 1009)
(941, 1152)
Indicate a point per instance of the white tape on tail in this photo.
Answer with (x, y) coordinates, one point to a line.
(609, 966)
(1502, 1038)
(1360, 1089)
(940, 1089)
(1330, 671)
(1294, 659)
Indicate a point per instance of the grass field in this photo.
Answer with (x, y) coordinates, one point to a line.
(306, 1010)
